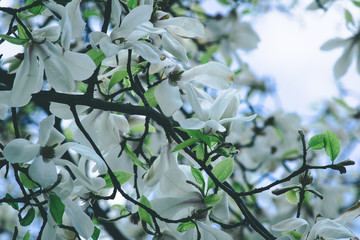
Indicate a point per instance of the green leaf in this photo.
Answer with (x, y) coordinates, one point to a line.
(290, 153)
(348, 17)
(14, 204)
(121, 176)
(344, 104)
(131, 4)
(200, 151)
(35, 10)
(222, 171)
(117, 77)
(356, 3)
(144, 215)
(225, 2)
(96, 234)
(206, 57)
(198, 134)
(317, 141)
(133, 157)
(22, 33)
(199, 178)
(27, 182)
(29, 217)
(212, 199)
(222, 152)
(57, 208)
(141, 128)
(27, 236)
(150, 96)
(292, 197)
(185, 226)
(332, 145)
(91, 12)
(96, 56)
(14, 40)
(185, 144)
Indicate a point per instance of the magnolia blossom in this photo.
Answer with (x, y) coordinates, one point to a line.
(212, 114)
(351, 47)
(61, 68)
(323, 227)
(212, 74)
(43, 169)
(126, 36)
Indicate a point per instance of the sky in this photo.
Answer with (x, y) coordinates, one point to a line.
(289, 54)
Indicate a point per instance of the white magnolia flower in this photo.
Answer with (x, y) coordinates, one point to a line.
(212, 74)
(213, 114)
(126, 36)
(43, 169)
(61, 68)
(351, 49)
(324, 228)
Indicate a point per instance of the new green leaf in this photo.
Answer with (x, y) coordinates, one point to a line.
(332, 145)
(186, 226)
(144, 215)
(317, 141)
(14, 40)
(29, 217)
(141, 128)
(185, 144)
(57, 208)
(212, 199)
(121, 176)
(96, 234)
(198, 177)
(222, 171)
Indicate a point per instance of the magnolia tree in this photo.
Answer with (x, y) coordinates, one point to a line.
(124, 120)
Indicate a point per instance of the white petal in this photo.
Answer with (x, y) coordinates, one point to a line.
(109, 49)
(65, 31)
(49, 231)
(168, 98)
(91, 155)
(20, 151)
(82, 222)
(76, 21)
(95, 38)
(243, 36)
(290, 224)
(45, 128)
(173, 183)
(171, 45)
(183, 26)
(243, 119)
(214, 126)
(329, 229)
(80, 65)
(211, 233)
(333, 43)
(115, 12)
(195, 103)
(221, 103)
(192, 123)
(63, 111)
(28, 79)
(50, 33)
(136, 17)
(343, 63)
(3, 109)
(43, 172)
(60, 150)
(212, 74)
(120, 122)
(149, 52)
(57, 73)
(349, 215)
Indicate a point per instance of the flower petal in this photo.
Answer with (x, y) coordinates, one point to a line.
(136, 17)
(212, 74)
(172, 45)
(43, 172)
(183, 27)
(333, 43)
(82, 222)
(168, 98)
(90, 154)
(192, 123)
(45, 129)
(20, 151)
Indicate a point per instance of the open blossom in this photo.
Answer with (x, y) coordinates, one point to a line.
(212, 114)
(324, 228)
(212, 74)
